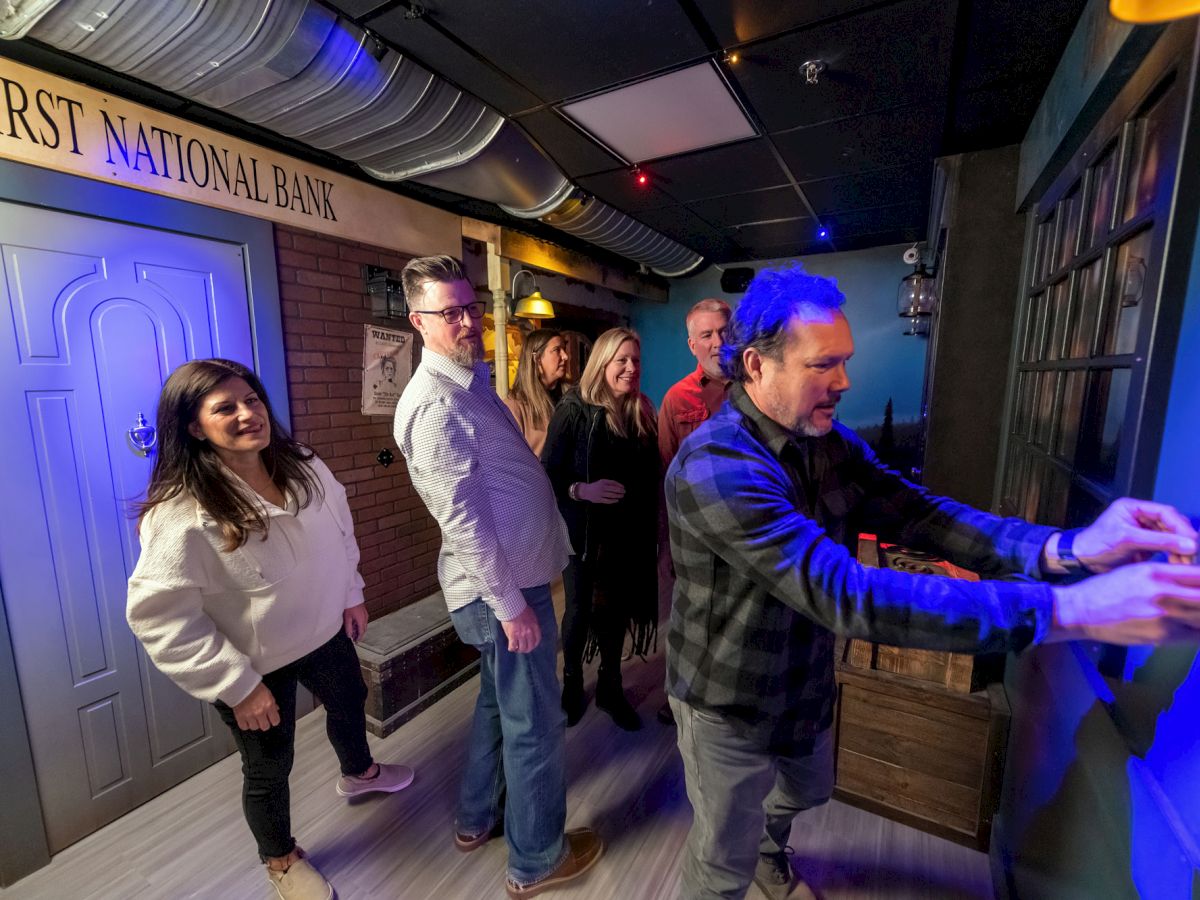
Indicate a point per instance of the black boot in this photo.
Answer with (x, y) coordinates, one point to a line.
(610, 697)
(574, 701)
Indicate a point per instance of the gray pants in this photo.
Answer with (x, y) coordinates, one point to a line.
(743, 801)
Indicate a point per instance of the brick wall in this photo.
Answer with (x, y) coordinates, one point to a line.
(325, 306)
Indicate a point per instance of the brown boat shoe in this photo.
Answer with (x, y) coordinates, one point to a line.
(584, 847)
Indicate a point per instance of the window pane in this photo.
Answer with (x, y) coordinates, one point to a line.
(1057, 318)
(1043, 423)
(1070, 213)
(1056, 486)
(1069, 415)
(1035, 269)
(1033, 488)
(1127, 295)
(1087, 308)
(1102, 189)
(1100, 434)
(1034, 323)
(1048, 248)
(1012, 472)
(1021, 404)
(1148, 161)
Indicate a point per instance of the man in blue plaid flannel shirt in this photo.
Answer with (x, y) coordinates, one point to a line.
(765, 501)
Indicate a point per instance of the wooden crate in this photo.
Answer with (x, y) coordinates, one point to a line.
(921, 755)
(958, 672)
(920, 734)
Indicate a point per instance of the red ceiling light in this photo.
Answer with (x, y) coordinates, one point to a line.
(640, 178)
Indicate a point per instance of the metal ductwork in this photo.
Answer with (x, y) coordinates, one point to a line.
(299, 69)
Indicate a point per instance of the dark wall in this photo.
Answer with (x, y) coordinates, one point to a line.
(980, 287)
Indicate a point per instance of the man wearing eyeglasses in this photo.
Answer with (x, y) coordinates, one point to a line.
(503, 541)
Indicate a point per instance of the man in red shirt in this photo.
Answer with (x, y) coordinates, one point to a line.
(689, 402)
(697, 396)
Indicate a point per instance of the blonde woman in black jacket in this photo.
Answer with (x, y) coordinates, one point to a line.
(601, 454)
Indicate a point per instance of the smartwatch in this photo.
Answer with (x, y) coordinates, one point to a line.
(1066, 551)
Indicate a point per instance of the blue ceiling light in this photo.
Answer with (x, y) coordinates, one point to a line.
(822, 233)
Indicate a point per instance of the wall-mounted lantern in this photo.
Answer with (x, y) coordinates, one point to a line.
(386, 293)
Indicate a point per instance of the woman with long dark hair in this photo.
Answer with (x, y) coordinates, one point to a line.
(601, 455)
(539, 384)
(248, 584)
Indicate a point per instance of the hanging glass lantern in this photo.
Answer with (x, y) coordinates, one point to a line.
(916, 296)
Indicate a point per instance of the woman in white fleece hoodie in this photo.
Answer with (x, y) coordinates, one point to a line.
(247, 585)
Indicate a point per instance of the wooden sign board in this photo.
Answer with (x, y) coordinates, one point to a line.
(58, 124)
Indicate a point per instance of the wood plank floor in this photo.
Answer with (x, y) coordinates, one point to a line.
(192, 841)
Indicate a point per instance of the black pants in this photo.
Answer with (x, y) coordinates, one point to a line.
(331, 672)
(580, 615)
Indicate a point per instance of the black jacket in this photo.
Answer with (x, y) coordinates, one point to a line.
(581, 448)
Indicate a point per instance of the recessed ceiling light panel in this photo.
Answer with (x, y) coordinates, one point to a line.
(684, 110)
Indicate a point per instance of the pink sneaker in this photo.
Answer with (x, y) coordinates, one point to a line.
(388, 779)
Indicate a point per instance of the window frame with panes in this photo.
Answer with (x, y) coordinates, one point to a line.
(1094, 340)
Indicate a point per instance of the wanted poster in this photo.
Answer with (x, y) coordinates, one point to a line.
(387, 366)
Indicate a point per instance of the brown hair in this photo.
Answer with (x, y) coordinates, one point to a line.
(424, 269)
(184, 464)
(631, 413)
(528, 390)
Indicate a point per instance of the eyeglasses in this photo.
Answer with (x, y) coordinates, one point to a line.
(453, 314)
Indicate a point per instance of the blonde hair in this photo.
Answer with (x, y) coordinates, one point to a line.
(528, 390)
(631, 413)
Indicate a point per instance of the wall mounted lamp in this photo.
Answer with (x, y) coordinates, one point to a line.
(386, 293)
(917, 296)
(1147, 11)
(531, 306)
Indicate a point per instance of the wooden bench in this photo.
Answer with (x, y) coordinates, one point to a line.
(410, 659)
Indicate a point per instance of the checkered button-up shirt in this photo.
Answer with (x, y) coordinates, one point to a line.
(501, 529)
(761, 523)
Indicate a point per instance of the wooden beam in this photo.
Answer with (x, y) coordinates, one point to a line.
(531, 251)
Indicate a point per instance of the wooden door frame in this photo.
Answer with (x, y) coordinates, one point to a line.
(25, 847)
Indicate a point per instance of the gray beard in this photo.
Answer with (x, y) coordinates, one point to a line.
(466, 355)
(808, 429)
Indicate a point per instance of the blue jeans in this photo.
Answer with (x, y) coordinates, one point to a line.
(517, 741)
(743, 800)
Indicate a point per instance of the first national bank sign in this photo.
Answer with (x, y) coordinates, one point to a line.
(58, 124)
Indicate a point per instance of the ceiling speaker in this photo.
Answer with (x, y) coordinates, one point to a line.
(735, 281)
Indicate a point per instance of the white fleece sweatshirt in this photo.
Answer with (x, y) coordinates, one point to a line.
(216, 622)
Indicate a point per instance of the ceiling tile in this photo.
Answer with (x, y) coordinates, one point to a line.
(892, 56)
(882, 239)
(789, 250)
(867, 221)
(438, 53)
(560, 50)
(355, 8)
(741, 21)
(619, 188)
(795, 231)
(575, 152)
(1000, 44)
(678, 223)
(862, 143)
(753, 206)
(732, 169)
(993, 117)
(681, 111)
(885, 187)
